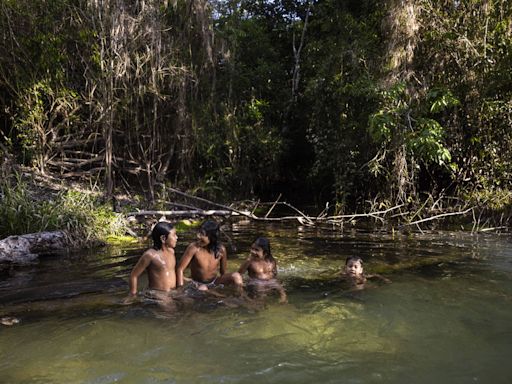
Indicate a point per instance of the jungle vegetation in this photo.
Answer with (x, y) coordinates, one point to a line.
(359, 103)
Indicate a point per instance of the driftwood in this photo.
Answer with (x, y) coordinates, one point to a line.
(25, 248)
(441, 215)
(227, 211)
(188, 213)
(383, 216)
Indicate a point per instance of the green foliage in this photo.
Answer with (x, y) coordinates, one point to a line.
(80, 214)
(394, 107)
(340, 92)
(39, 88)
(427, 142)
(208, 104)
(402, 120)
(121, 240)
(441, 99)
(471, 57)
(246, 155)
(187, 225)
(497, 199)
(42, 114)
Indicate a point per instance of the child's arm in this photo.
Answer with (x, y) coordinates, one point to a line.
(282, 294)
(243, 268)
(184, 262)
(140, 267)
(223, 260)
(378, 277)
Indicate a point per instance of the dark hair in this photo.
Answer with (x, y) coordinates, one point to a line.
(355, 258)
(264, 244)
(212, 230)
(162, 228)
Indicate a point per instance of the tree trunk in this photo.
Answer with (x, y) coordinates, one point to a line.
(401, 26)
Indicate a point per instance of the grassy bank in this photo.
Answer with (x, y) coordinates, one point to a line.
(26, 207)
(29, 205)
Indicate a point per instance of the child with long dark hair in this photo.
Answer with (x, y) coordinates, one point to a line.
(206, 257)
(159, 261)
(262, 270)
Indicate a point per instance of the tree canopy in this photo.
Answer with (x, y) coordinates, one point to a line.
(330, 100)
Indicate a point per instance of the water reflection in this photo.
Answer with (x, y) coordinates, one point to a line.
(445, 318)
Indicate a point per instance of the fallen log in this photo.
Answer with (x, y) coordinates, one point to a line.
(227, 211)
(336, 220)
(187, 213)
(25, 248)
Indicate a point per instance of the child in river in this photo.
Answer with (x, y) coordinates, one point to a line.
(205, 257)
(353, 274)
(262, 270)
(159, 262)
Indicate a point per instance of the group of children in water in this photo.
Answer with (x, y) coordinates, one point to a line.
(207, 260)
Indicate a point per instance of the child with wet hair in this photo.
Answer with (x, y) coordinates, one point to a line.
(206, 257)
(353, 273)
(262, 270)
(159, 262)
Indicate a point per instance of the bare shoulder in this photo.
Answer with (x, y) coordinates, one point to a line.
(145, 260)
(149, 255)
(192, 247)
(222, 250)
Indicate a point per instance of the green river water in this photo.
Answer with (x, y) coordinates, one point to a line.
(445, 318)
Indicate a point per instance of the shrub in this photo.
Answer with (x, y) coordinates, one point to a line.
(25, 209)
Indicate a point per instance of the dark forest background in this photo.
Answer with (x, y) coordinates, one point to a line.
(358, 103)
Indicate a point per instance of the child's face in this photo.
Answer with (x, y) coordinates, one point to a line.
(203, 239)
(257, 252)
(171, 239)
(354, 268)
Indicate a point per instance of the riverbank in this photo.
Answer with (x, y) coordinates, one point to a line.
(64, 215)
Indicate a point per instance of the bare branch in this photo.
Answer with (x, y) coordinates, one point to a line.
(441, 215)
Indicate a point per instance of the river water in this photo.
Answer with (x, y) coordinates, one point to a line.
(445, 318)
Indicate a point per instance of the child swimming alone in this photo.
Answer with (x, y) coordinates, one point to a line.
(353, 274)
(262, 270)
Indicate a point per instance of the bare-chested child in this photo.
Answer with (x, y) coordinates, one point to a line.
(159, 262)
(353, 274)
(262, 270)
(206, 257)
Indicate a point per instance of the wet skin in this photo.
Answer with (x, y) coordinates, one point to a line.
(262, 273)
(204, 266)
(354, 275)
(257, 266)
(159, 264)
